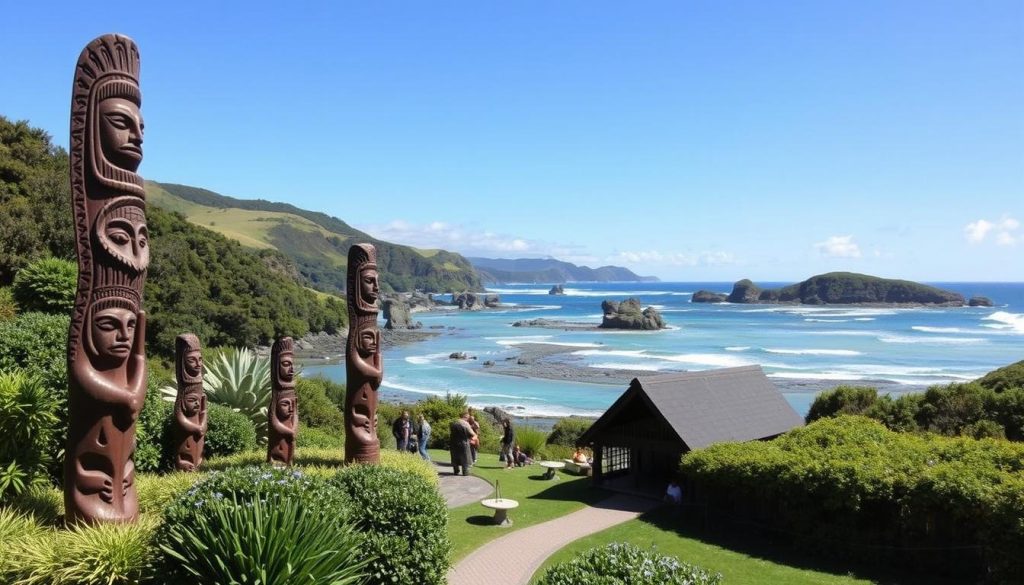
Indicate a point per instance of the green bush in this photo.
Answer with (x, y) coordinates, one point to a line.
(153, 433)
(319, 438)
(227, 432)
(28, 417)
(240, 379)
(44, 503)
(1011, 376)
(842, 400)
(234, 539)
(8, 308)
(626, 564)
(315, 406)
(849, 486)
(156, 492)
(405, 521)
(531, 440)
(47, 285)
(567, 431)
(440, 412)
(37, 342)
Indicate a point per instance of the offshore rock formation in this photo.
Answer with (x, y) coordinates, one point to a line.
(557, 290)
(706, 296)
(471, 301)
(847, 288)
(979, 301)
(628, 315)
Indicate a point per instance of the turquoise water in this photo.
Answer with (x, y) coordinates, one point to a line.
(801, 348)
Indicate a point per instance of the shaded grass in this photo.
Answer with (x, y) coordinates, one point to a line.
(742, 556)
(540, 500)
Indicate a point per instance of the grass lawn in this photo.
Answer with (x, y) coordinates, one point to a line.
(740, 559)
(539, 500)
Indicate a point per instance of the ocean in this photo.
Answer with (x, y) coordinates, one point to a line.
(802, 349)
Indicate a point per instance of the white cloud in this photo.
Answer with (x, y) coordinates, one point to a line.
(1004, 231)
(438, 234)
(839, 247)
(705, 258)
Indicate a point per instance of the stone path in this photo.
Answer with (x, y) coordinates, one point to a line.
(513, 558)
(459, 490)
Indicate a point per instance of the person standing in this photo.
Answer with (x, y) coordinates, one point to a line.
(508, 439)
(461, 433)
(474, 443)
(424, 436)
(402, 429)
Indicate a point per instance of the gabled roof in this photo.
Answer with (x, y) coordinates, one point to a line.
(732, 404)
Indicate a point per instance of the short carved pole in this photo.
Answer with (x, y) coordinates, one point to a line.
(190, 406)
(283, 413)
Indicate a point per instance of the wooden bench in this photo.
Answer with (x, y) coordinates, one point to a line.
(576, 468)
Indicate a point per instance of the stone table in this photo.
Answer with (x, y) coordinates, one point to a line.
(551, 466)
(501, 506)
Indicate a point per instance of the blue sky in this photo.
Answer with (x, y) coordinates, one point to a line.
(689, 140)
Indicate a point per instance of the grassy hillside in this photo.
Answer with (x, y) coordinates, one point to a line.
(317, 243)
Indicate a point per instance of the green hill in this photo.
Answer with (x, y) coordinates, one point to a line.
(846, 288)
(316, 242)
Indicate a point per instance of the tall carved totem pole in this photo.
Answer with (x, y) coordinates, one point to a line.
(190, 406)
(106, 347)
(283, 414)
(363, 364)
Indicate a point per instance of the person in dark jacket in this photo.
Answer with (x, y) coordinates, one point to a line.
(461, 434)
(508, 439)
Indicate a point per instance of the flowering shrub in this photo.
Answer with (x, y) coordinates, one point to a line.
(626, 564)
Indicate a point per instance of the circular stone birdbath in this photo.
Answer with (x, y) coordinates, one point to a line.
(501, 506)
(551, 466)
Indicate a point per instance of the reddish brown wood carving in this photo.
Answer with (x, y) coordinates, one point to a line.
(363, 364)
(283, 414)
(190, 406)
(106, 349)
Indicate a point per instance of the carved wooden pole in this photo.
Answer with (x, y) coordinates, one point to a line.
(283, 414)
(106, 341)
(190, 406)
(363, 364)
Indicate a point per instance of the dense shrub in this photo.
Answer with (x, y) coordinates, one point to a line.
(315, 407)
(227, 432)
(531, 440)
(153, 433)
(240, 379)
(47, 285)
(626, 564)
(8, 309)
(405, 521)
(234, 539)
(38, 343)
(319, 438)
(567, 431)
(440, 412)
(955, 409)
(156, 492)
(1011, 376)
(849, 486)
(28, 417)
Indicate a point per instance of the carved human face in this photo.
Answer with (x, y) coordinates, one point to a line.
(193, 363)
(367, 342)
(125, 236)
(285, 409)
(286, 368)
(192, 404)
(121, 129)
(113, 332)
(369, 287)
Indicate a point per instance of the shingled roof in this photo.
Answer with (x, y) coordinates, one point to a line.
(732, 404)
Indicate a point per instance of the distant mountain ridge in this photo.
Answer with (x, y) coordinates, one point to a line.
(549, 270)
(316, 242)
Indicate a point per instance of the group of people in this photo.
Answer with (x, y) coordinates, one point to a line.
(464, 440)
(408, 438)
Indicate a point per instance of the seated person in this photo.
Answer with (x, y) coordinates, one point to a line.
(579, 456)
(520, 457)
(674, 493)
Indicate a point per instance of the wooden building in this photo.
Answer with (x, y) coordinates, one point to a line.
(638, 441)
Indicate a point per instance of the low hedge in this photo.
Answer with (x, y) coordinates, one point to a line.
(625, 564)
(848, 486)
(405, 520)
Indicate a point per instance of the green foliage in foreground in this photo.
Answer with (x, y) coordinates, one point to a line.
(28, 417)
(840, 484)
(47, 285)
(626, 564)
(567, 431)
(8, 308)
(284, 542)
(957, 409)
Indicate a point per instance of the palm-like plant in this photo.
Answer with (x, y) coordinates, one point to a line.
(240, 380)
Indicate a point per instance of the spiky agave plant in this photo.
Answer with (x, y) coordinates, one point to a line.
(240, 380)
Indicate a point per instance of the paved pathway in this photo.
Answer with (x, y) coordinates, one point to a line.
(513, 558)
(459, 490)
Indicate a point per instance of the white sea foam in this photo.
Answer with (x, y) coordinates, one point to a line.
(926, 329)
(625, 366)
(420, 360)
(737, 348)
(519, 291)
(931, 340)
(677, 310)
(809, 320)
(637, 353)
(864, 319)
(699, 359)
(582, 292)
(513, 342)
(835, 352)
(1013, 322)
(815, 376)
